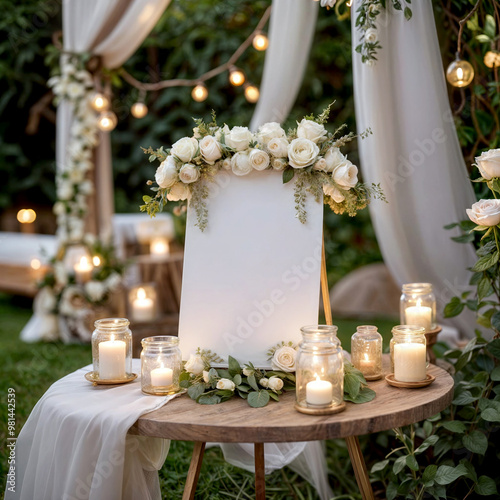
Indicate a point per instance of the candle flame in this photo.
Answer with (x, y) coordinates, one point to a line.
(112, 337)
(460, 73)
(141, 294)
(84, 262)
(317, 377)
(366, 357)
(419, 303)
(96, 260)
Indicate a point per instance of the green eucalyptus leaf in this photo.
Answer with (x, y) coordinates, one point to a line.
(258, 399)
(476, 442)
(273, 395)
(446, 474)
(486, 486)
(252, 382)
(196, 390)
(234, 366)
(237, 379)
(364, 396)
(208, 399)
(352, 385)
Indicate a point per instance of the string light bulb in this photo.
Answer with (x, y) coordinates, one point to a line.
(139, 110)
(236, 77)
(251, 93)
(26, 216)
(199, 92)
(99, 102)
(260, 41)
(96, 260)
(107, 121)
(492, 59)
(460, 73)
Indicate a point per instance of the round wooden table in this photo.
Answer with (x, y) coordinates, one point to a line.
(235, 422)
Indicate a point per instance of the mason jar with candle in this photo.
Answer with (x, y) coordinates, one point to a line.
(143, 303)
(319, 370)
(408, 353)
(366, 351)
(112, 349)
(418, 306)
(161, 365)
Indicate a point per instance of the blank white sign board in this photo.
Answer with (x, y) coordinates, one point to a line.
(251, 279)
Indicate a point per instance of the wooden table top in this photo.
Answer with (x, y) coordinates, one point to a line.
(236, 422)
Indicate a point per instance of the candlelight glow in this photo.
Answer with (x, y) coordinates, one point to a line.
(252, 93)
(107, 121)
(96, 260)
(99, 102)
(199, 93)
(139, 110)
(35, 264)
(26, 216)
(260, 41)
(141, 294)
(236, 77)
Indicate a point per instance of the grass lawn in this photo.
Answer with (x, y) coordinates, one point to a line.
(31, 368)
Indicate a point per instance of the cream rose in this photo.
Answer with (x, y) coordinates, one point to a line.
(189, 173)
(210, 149)
(248, 371)
(95, 290)
(489, 164)
(194, 365)
(258, 159)
(239, 138)
(485, 213)
(278, 163)
(334, 158)
(371, 35)
(346, 174)
(206, 377)
(166, 173)
(178, 191)
(302, 153)
(278, 147)
(321, 165)
(284, 359)
(333, 193)
(307, 129)
(264, 382)
(224, 131)
(226, 164)
(240, 164)
(185, 149)
(275, 384)
(225, 384)
(271, 130)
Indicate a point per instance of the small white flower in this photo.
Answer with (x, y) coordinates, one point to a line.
(196, 133)
(206, 377)
(226, 384)
(224, 131)
(485, 213)
(346, 174)
(308, 129)
(189, 173)
(275, 384)
(113, 281)
(279, 164)
(65, 190)
(59, 208)
(210, 149)
(194, 365)
(284, 359)
(278, 147)
(226, 164)
(268, 131)
(86, 187)
(334, 193)
(177, 192)
(185, 149)
(488, 164)
(75, 90)
(258, 159)
(371, 35)
(95, 290)
(328, 3)
(240, 164)
(247, 372)
(239, 138)
(264, 382)
(370, 62)
(321, 165)
(166, 174)
(302, 153)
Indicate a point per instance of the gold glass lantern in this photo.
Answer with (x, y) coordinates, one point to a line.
(417, 306)
(161, 365)
(460, 73)
(319, 371)
(408, 353)
(112, 349)
(366, 351)
(143, 303)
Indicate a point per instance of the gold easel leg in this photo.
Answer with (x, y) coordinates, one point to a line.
(357, 460)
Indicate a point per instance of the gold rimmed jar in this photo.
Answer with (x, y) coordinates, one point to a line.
(366, 351)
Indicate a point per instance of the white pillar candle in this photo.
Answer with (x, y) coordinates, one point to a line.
(366, 364)
(112, 355)
(159, 246)
(319, 392)
(419, 316)
(83, 270)
(162, 377)
(143, 307)
(410, 362)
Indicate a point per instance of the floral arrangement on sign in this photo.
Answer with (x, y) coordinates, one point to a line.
(207, 385)
(308, 153)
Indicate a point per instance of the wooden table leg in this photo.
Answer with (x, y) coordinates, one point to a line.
(260, 474)
(194, 471)
(359, 466)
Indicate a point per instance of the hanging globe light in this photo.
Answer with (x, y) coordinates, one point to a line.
(139, 110)
(492, 59)
(199, 92)
(260, 41)
(236, 77)
(99, 101)
(460, 73)
(251, 93)
(107, 121)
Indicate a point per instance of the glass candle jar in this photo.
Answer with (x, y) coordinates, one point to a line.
(319, 369)
(366, 351)
(112, 349)
(143, 303)
(408, 353)
(161, 364)
(418, 306)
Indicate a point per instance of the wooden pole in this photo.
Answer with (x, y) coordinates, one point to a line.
(357, 460)
(260, 477)
(194, 471)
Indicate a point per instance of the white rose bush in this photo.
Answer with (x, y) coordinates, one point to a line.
(308, 154)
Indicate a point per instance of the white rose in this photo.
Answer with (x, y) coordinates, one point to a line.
(321, 165)
(264, 382)
(226, 164)
(76, 176)
(371, 35)
(74, 90)
(334, 158)
(333, 193)
(485, 213)
(329, 4)
(177, 192)
(225, 384)
(210, 149)
(271, 130)
(59, 208)
(224, 131)
(166, 173)
(240, 164)
(370, 62)
(86, 187)
(65, 190)
(489, 164)
(279, 163)
(188, 173)
(278, 147)
(346, 174)
(307, 129)
(45, 301)
(239, 138)
(206, 377)
(247, 372)
(275, 384)
(95, 290)
(302, 153)
(185, 149)
(113, 281)
(194, 365)
(284, 359)
(258, 159)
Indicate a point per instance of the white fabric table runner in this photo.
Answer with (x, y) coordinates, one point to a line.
(74, 445)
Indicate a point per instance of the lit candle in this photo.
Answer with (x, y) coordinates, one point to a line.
(83, 270)
(162, 376)
(112, 359)
(143, 307)
(419, 316)
(410, 362)
(366, 365)
(159, 246)
(319, 392)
